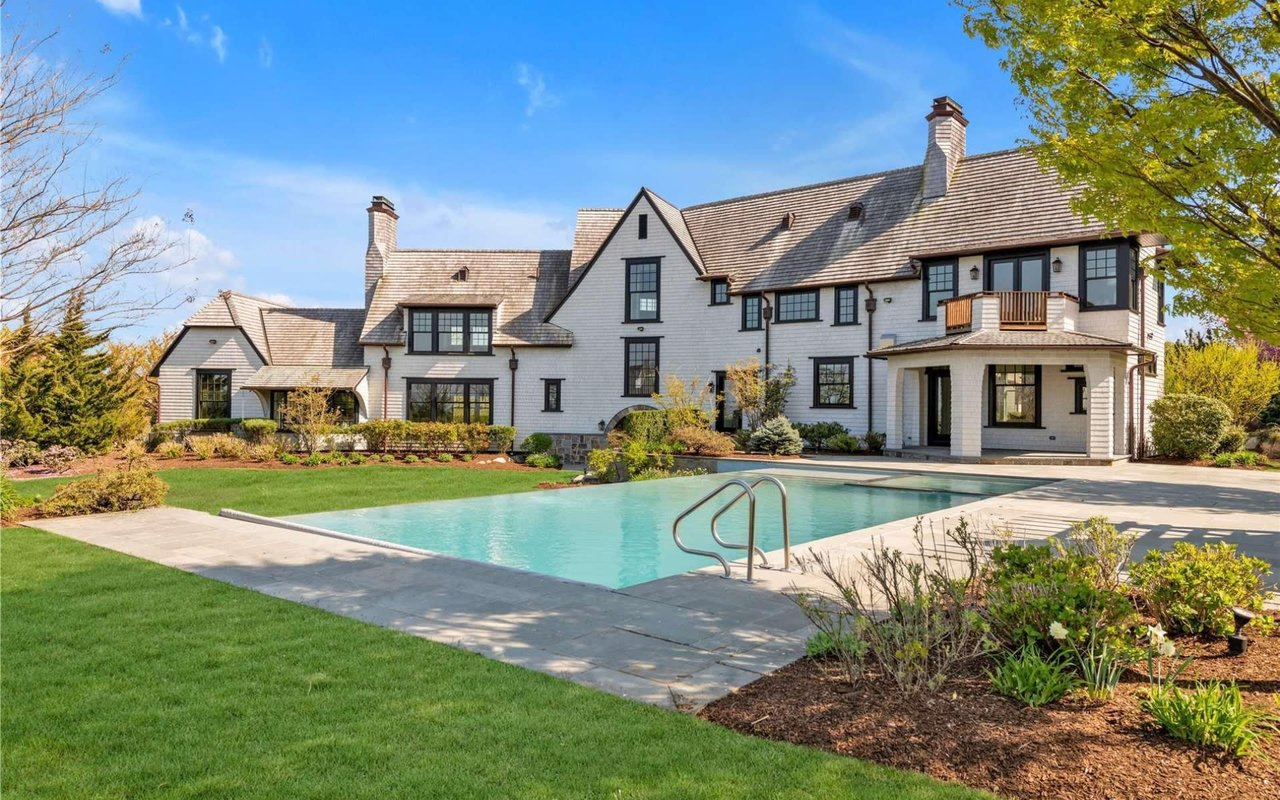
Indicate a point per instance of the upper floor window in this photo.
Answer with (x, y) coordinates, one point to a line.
(213, 393)
(643, 224)
(1109, 278)
(449, 400)
(833, 382)
(1023, 273)
(752, 312)
(798, 306)
(641, 367)
(451, 330)
(643, 280)
(940, 281)
(719, 292)
(846, 305)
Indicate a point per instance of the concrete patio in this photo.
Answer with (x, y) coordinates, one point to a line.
(687, 639)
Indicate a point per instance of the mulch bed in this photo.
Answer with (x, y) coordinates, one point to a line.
(1072, 749)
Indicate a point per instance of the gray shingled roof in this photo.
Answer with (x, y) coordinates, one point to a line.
(593, 227)
(679, 228)
(327, 337)
(291, 377)
(233, 309)
(530, 283)
(992, 338)
(995, 200)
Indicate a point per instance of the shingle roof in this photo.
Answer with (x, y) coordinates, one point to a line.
(233, 309)
(593, 227)
(991, 338)
(530, 282)
(995, 200)
(314, 336)
(679, 228)
(275, 377)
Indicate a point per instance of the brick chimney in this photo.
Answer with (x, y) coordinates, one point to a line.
(382, 240)
(945, 147)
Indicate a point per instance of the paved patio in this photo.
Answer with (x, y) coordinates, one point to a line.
(684, 640)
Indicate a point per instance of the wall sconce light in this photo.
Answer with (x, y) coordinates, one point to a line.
(601, 425)
(915, 266)
(767, 312)
(974, 273)
(213, 341)
(1057, 265)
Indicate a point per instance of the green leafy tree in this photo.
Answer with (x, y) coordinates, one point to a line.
(22, 361)
(308, 413)
(1165, 113)
(1232, 372)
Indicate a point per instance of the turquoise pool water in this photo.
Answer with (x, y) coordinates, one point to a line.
(620, 534)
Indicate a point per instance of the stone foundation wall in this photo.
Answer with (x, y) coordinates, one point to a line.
(573, 447)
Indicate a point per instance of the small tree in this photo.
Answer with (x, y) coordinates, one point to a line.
(758, 397)
(308, 414)
(1232, 372)
(686, 404)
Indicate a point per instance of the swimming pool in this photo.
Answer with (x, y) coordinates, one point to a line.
(620, 534)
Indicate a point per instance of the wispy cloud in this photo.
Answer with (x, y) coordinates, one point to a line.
(535, 87)
(125, 8)
(265, 54)
(215, 38)
(218, 41)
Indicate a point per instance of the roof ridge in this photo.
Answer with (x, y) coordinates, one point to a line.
(481, 250)
(315, 308)
(253, 297)
(601, 208)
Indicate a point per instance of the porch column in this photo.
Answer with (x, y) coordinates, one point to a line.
(967, 412)
(892, 405)
(1100, 378)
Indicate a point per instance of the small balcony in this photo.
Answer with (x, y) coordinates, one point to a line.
(1009, 311)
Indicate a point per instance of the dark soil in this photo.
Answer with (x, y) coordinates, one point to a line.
(1072, 749)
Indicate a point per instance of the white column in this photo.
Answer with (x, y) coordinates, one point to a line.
(893, 405)
(1102, 411)
(967, 413)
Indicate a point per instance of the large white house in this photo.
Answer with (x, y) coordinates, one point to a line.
(958, 305)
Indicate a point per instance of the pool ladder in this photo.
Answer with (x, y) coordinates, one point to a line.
(747, 490)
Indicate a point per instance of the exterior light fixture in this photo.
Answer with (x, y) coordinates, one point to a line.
(767, 312)
(601, 425)
(1237, 644)
(974, 273)
(1057, 265)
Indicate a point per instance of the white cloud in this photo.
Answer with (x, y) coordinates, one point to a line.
(535, 86)
(265, 54)
(129, 8)
(218, 41)
(195, 261)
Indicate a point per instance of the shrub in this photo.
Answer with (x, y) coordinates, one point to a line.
(776, 437)
(58, 458)
(261, 452)
(649, 428)
(227, 446)
(202, 447)
(356, 458)
(133, 454)
(1233, 439)
(467, 458)
(1239, 458)
(1098, 540)
(10, 501)
(501, 437)
(290, 459)
(170, 450)
(19, 452)
(383, 434)
(411, 459)
(315, 460)
(387, 458)
(258, 431)
(603, 465)
(543, 460)
(537, 443)
(874, 441)
(444, 458)
(701, 441)
(1212, 715)
(1188, 425)
(123, 490)
(818, 435)
(1232, 373)
(844, 443)
(655, 473)
(308, 414)
(1193, 589)
(824, 644)
(1031, 679)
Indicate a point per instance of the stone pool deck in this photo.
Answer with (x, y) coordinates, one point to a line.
(679, 641)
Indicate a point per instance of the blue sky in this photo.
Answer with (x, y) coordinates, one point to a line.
(490, 124)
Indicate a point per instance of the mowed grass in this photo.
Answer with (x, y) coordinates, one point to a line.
(123, 678)
(280, 492)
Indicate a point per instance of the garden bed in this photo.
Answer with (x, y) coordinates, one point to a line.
(964, 732)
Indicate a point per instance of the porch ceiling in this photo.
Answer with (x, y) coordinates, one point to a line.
(986, 340)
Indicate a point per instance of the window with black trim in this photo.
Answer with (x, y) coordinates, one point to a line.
(719, 292)
(452, 331)
(1013, 395)
(846, 311)
(213, 394)
(341, 400)
(640, 367)
(1018, 273)
(643, 281)
(752, 312)
(1161, 300)
(798, 306)
(939, 281)
(551, 388)
(449, 400)
(643, 224)
(1079, 403)
(1109, 276)
(833, 382)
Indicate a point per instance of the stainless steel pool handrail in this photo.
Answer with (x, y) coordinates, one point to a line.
(751, 523)
(750, 546)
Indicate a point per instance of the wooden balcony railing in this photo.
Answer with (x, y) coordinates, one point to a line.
(958, 312)
(1028, 311)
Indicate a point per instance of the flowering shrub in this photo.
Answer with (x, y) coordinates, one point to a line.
(19, 452)
(59, 457)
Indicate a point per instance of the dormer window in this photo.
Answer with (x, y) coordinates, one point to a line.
(451, 331)
(855, 211)
(461, 275)
(788, 220)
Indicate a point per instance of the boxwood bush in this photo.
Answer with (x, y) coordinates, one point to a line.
(1188, 425)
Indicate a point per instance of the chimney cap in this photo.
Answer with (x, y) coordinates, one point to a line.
(383, 204)
(946, 107)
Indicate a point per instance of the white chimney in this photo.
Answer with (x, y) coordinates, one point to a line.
(382, 240)
(945, 147)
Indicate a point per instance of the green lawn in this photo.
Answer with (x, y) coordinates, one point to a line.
(279, 492)
(123, 678)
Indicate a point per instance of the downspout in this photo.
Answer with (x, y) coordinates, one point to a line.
(386, 378)
(1141, 364)
(871, 311)
(513, 363)
(1142, 376)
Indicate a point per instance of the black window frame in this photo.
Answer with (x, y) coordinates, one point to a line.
(720, 292)
(435, 311)
(1078, 394)
(630, 263)
(277, 398)
(930, 313)
(642, 225)
(553, 402)
(778, 298)
(835, 306)
(1127, 275)
(467, 383)
(200, 402)
(818, 364)
(1038, 384)
(755, 301)
(988, 273)
(627, 343)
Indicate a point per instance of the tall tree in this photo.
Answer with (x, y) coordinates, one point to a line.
(1167, 114)
(22, 361)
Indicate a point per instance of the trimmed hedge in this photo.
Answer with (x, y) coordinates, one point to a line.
(433, 437)
(1188, 425)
